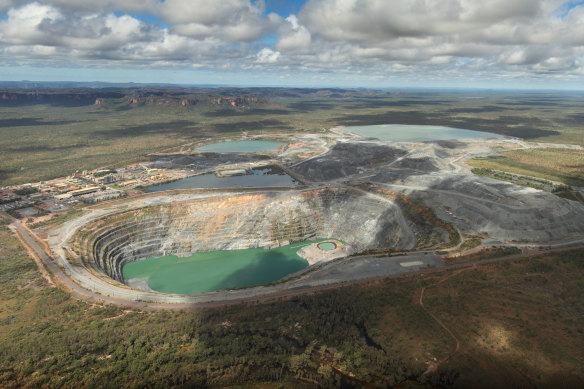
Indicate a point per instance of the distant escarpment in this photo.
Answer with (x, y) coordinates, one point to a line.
(65, 99)
(186, 101)
(125, 98)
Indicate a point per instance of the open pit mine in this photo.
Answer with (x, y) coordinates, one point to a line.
(386, 209)
(242, 221)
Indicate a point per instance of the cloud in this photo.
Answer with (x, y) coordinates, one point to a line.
(497, 36)
(5, 4)
(209, 12)
(374, 21)
(71, 31)
(231, 20)
(267, 56)
(137, 6)
(39, 24)
(441, 38)
(293, 36)
(21, 26)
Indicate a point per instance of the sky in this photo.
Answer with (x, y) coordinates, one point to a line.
(345, 43)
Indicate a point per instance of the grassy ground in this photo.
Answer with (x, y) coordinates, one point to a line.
(566, 166)
(520, 323)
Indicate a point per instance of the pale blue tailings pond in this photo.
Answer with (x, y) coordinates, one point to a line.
(417, 133)
(241, 146)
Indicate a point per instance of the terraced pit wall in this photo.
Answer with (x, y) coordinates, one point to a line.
(239, 222)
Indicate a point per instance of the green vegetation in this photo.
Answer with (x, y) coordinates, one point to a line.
(470, 243)
(104, 172)
(569, 194)
(14, 213)
(26, 191)
(562, 165)
(375, 335)
(499, 175)
(559, 190)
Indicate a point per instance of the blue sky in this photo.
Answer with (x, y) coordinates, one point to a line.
(369, 43)
(564, 9)
(284, 7)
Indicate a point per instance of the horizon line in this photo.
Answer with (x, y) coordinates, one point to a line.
(130, 84)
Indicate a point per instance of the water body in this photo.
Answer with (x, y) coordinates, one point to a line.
(418, 133)
(261, 177)
(327, 246)
(217, 270)
(241, 146)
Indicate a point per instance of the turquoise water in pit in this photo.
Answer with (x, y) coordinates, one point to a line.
(241, 146)
(417, 133)
(217, 270)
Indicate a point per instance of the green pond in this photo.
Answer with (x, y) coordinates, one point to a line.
(241, 146)
(217, 270)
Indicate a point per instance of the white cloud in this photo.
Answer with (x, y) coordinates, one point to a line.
(38, 24)
(231, 20)
(208, 12)
(137, 6)
(293, 36)
(42, 30)
(266, 55)
(21, 27)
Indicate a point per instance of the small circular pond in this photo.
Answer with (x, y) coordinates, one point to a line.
(327, 245)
